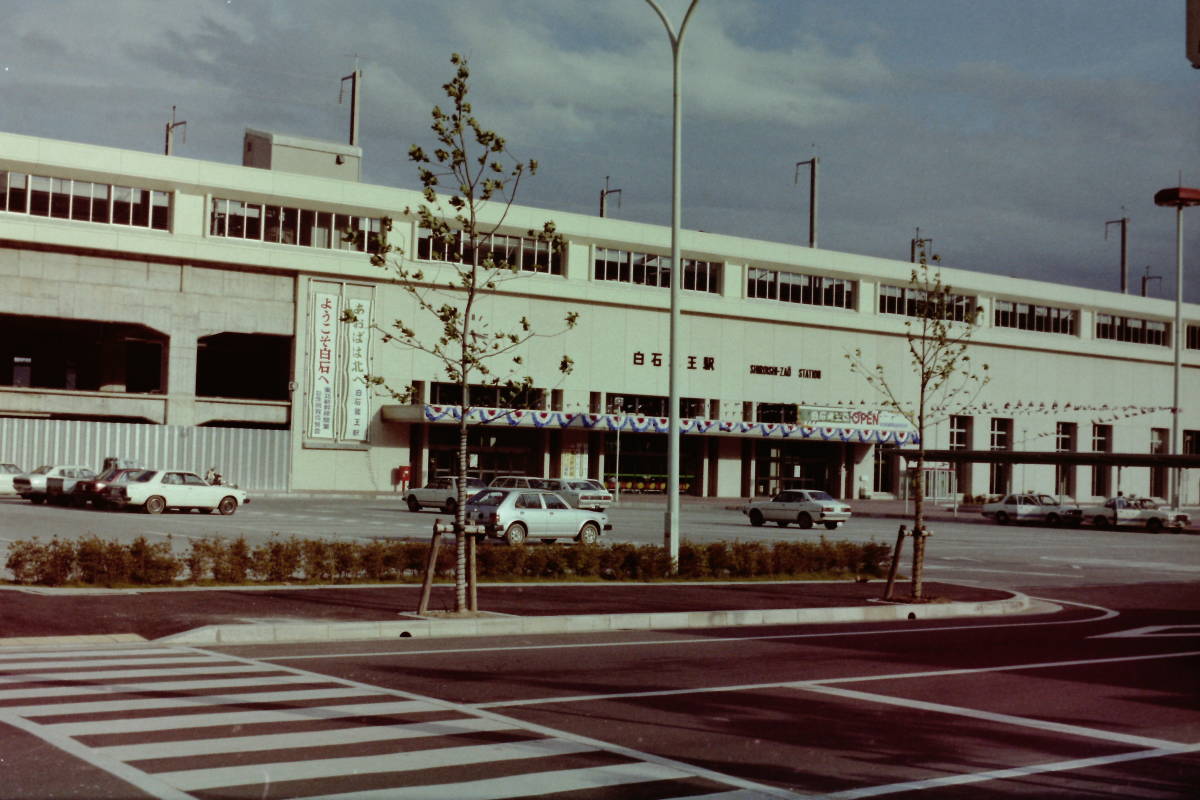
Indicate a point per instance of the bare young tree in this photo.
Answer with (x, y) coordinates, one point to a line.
(475, 164)
(938, 329)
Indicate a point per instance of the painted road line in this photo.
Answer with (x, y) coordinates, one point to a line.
(283, 741)
(151, 686)
(166, 723)
(1012, 772)
(179, 701)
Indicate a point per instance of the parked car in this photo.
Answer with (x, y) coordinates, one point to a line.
(1031, 507)
(92, 490)
(33, 485)
(579, 492)
(154, 491)
(440, 493)
(518, 482)
(801, 506)
(515, 515)
(7, 473)
(1151, 513)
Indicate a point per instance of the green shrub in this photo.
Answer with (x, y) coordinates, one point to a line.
(95, 562)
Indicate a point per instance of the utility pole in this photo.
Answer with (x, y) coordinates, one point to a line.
(1147, 278)
(169, 146)
(812, 197)
(1124, 223)
(604, 193)
(355, 79)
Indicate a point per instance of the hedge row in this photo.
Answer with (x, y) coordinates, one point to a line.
(95, 562)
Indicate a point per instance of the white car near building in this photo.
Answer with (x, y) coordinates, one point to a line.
(1031, 507)
(440, 493)
(7, 473)
(801, 506)
(1151, 513)
(33, 486)
(154, 491)
(579, 492)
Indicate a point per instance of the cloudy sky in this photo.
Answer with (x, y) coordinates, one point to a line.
(1008, 132)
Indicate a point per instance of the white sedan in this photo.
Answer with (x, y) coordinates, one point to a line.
(1030, 507)
(7, 473)
(154, 491)
(801, 506)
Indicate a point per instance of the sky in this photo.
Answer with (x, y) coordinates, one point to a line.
(1008, 132)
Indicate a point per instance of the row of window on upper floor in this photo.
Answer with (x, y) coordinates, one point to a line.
(84, 201)
(89, 201)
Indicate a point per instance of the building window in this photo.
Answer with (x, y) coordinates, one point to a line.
(1066, 440)
(785, 413)
(84, 201)
(1159, 445)
(1000, 475)
(649, 269)
(1192, 337)
(485, 396)
(1028, 317)
(235, 219)
(793, 287)
(526, 253)
(1131, 329)
(1101, 474)
(912, 303)
(960, 439)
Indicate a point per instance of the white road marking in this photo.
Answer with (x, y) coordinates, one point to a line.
(1014, 772)
(1152, 632)
(1126, 564)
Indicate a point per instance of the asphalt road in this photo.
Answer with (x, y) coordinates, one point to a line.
(965, 551)
(1098, 699)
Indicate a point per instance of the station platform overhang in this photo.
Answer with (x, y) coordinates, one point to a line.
(1185, 461)
(817, 424)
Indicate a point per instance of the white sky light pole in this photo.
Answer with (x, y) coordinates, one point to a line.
(671, 523)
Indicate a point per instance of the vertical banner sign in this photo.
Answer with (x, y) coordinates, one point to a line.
(358, 394)
(326, 313)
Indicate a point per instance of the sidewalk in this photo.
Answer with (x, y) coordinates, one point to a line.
(260, 615)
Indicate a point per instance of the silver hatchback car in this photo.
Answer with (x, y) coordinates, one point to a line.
(515, 515)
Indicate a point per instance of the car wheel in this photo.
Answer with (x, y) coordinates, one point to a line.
(756, 518)
(831, 526)
(227, 506)
(515, 534)
(1002, 517)
(450, 507)
(413, 504)
(804, 520)
(589, 534)
(1154, 525)
(1053, 521)
(155, 505)
(1100, 521)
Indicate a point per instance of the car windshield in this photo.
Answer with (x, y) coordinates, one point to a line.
(42, 470)
(488, 497)
(140, 477)
(585, 486)
(820, 495)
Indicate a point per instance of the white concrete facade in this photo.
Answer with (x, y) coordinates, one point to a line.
(171, 288)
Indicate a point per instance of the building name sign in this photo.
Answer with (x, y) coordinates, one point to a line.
(784, 372)
(708, 363)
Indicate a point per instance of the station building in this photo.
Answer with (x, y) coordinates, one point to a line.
(171, 309)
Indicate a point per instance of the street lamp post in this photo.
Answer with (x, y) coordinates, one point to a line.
(1179, 197)
(671, 522)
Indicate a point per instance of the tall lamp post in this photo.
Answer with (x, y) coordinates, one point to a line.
(1179, 197)
(671, 522)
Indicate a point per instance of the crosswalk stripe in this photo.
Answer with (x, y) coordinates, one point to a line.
(200, 779)
(166, 723)
(215, 669)
(135, 686)
(16, 670)
(34, 655)
(283, 741)
(103, 706)
(532, 784)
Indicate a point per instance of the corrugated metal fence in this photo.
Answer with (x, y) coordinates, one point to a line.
(251, 458)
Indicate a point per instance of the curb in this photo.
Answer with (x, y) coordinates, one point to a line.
(427, 628)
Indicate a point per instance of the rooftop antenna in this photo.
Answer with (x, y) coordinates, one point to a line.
(355, 79)
(812, 196)
(1124, 223)
(604, 193)
(169, 146)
